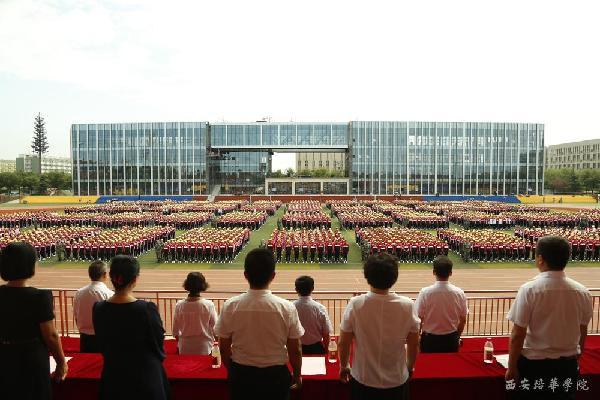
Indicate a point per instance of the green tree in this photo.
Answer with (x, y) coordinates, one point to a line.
(30, 181)
(321, 173)
(556, 180)
(571, 176)
(39, 145)
(277, 174)
(9, 181)
(290, 172)
(589, 179)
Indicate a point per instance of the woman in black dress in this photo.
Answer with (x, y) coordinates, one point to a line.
(130, 335)
(27, 329)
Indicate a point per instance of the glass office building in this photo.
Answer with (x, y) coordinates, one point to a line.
(383, 157)
(450, 158)
(166, 158)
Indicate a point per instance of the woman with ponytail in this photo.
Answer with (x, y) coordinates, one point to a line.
(130, 335)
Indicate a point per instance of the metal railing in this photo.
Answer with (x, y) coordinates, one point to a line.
(487, 308)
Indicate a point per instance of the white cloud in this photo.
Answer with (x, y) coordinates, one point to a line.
(313, 60)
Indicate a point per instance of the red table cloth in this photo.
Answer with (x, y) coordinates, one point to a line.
(470, 345)
(457, 376)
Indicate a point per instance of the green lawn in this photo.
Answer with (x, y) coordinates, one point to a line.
(148, 260)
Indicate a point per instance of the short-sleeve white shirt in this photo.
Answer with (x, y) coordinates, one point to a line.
(440, 307)
(552, 307)
(84, 300)
(314, 319)
(259, 325)
(380, 324)
(197, 319)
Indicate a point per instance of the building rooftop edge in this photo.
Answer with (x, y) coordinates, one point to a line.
(581, 142)
(302, 122)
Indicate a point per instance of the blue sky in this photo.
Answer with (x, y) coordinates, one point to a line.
(146, 60)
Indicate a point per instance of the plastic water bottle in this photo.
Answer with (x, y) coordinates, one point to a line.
(488, 351)
(332, 351)
(216, 357)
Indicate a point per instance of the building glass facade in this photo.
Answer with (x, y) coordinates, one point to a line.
(166, 158)
(384, 157)
(279, 135)
(448, 158)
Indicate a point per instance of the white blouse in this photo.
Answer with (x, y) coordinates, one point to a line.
(194, 326)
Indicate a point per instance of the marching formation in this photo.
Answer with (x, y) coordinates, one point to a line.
(585, 243)
(206, 245)
(245, 219)
(47, 241)
(490, 231)
(408, 245)
(486, 245)
(105, 244)
(308, 245)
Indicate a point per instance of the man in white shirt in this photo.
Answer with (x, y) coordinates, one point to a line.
(551, 314)
(385, 329)
(258, 333)
(313, 317)
(442, 308)
(83, 302)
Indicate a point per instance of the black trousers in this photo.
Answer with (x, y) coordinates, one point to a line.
(547, 371)
(358, 391)
(88, 344)
(431, 343)
(268, 383)
(315, 348)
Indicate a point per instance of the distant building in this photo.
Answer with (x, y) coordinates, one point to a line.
(31, 163)
(8, 166)
(328, 161)
(574, 155)
(383, 157)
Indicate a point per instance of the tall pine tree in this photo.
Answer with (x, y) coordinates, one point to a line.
(40, 140)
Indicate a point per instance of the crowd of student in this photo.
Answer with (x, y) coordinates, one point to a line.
(107, 243)
(420, 220)
(161, 206)
(364, 218)
(206, 245)
(306, 219)
(480, 220)
(17, 219)
(270, 207)
(407, 245)
(585, 243)
(308, 246)
(184, 220)
(303, 205)
(45, 240)
(259, 333)
(554, 218)
(486, 245)
(246, 219)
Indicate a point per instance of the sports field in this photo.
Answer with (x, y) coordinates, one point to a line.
(347, 276)
(148, 260)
